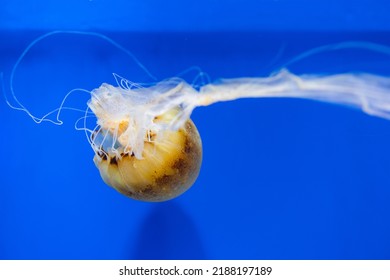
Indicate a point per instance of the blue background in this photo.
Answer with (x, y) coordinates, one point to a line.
(281, 178)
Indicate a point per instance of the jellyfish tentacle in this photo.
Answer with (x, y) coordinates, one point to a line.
(18, 105)
(370, 46)
(369, 92)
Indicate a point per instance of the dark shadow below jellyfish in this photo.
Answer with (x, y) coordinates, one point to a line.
(168, 232)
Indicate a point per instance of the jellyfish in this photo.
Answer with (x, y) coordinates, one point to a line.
(147, 147)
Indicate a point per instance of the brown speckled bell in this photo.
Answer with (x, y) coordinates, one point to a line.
(169, 167)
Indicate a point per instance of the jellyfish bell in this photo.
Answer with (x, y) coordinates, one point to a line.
(142, 149)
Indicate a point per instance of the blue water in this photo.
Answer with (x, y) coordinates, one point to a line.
(281, 178)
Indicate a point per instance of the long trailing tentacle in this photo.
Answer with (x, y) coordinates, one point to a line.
(18, 105)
